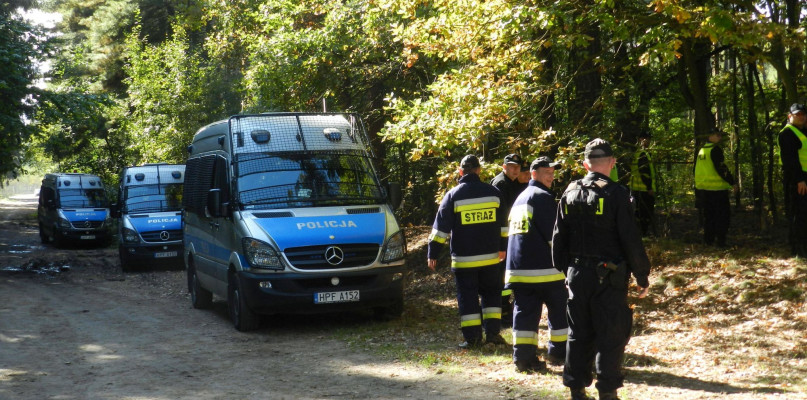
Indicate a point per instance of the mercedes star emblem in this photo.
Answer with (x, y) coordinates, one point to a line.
(164, 235)
(334, 255)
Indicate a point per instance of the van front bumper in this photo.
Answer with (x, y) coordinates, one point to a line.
(86, 235)
(168, 252)
(295, 292)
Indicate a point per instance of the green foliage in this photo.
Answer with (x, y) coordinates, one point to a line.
(20, 46)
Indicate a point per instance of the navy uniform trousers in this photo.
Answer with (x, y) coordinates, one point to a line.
(473, 283)
(529, 299)
(599, 321)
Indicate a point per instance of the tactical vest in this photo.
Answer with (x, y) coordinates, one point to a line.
(706, 176)
(584, 207)
(636, 182)
(802, 150)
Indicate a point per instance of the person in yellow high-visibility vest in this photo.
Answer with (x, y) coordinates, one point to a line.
(643, 185)
(712, 184)
(793, 151)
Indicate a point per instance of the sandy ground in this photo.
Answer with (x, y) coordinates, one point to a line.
(73, 326)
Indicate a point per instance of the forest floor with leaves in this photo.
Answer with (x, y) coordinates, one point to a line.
(719, 323)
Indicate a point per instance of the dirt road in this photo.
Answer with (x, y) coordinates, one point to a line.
(73, 326)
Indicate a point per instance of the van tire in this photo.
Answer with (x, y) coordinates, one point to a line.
(243, 318)
(201, 298)
(390, 312)
(125, 261)
(43, 237)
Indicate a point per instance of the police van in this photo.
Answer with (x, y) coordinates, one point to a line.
(150, 211)
(284, 212)
(74, 208)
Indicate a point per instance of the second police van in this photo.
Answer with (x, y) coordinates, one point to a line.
(284, 212)
(74, 208)
(150, 211)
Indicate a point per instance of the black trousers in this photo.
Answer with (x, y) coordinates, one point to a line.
(796, 213)
(473, 284)
(645, 207)
(600, 322)
(716, 215)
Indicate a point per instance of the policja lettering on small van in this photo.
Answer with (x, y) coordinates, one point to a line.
(326, 224)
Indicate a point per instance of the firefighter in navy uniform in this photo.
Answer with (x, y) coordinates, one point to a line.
(597, 245)
(530, 273)
(470, 216)
(509, 185)
(793, 151)
(712, 183)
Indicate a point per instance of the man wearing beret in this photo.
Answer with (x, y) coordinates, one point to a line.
(530, 273)
(793, 150)
(597, 245)
(471, 219)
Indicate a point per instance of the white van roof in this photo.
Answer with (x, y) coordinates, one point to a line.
(283, 132)
(73, 181)
(152, 174)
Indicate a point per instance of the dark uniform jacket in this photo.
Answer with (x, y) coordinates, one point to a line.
(529, 249)
(789, 145)
(509, 188)
(595, 223)
(471, 218)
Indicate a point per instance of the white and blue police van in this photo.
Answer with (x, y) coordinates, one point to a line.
(150, 211)
(284, 213)
(74, 208)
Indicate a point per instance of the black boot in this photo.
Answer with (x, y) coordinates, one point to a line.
(579, 394)
(609, 395)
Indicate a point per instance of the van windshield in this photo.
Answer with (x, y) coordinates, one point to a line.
(83, 198)
(305, 180)
(153, 198)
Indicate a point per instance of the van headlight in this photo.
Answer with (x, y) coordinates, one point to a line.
(395, 249)
(64, 223)
(129, 235)
(261, 255)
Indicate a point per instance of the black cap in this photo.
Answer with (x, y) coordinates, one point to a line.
(513, 159)
(598, 148)
(543, 162)
(469, 162)
(797, 108)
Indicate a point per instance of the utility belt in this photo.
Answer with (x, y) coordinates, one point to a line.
(614, 273)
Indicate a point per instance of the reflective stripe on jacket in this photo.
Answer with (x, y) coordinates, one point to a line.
(471, 220)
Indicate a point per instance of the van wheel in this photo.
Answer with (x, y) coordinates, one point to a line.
(57, 238)
(392, 311)
(201, 298)
(243, 318)
(125, 260)
(43, 237)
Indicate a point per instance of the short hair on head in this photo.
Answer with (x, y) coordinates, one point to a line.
(598, 161)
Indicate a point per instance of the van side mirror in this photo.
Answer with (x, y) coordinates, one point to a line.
(214, 203)
(394, 194)
(114, 210)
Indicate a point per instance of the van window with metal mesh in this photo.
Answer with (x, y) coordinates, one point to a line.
(83, 198)
(310, 179)
(153, 198)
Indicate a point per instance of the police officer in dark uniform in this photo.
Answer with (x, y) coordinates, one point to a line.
(530, 273)
(712, 183)
(508, 183)
(793, 151)
(471, 217)
(643, 184)
(597, 245)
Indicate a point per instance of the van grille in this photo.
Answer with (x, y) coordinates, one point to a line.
(154, 236)
(87, 224)
(313, 257)
(366, 210)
